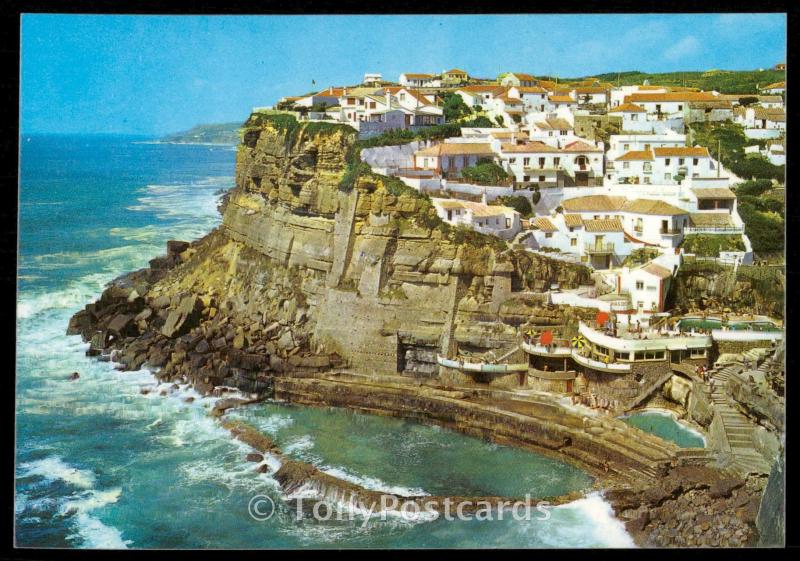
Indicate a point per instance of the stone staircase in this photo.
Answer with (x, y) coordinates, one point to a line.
(738, 428)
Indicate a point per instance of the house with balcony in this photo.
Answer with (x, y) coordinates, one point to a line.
(598, 242)
(417, 80)
(645, 222)
(551, 128)
(617, 95)
(667, 104)
(661, 165)
(497, 220)
(537, 163)
(328, 97)
(508, 107)
(518, 79)
(371, 113)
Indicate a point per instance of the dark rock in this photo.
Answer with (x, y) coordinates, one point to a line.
(189, 399)
(183, 318)
(176, 247)
(219, 343)
(74, 376)
(724, 487)
(202, 346)
(254, 457)
(262, 468)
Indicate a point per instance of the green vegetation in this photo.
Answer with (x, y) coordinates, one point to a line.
(519, 203)
(225, 133)
(641, 256)
(710, 245)
(764, 213)
(454, 107)
(730, 139)
(723, 81)
(486, 172)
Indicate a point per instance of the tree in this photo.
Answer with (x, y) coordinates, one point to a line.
(454, 107)
(499, 120)
(749, 100)
(486, 172)
(519, 203)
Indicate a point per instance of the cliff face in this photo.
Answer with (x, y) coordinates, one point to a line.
(707, 285)
(305, 273)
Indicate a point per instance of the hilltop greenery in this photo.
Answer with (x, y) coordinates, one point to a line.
(763, 211)
(730, 139)
(224, 133)
(723, 81)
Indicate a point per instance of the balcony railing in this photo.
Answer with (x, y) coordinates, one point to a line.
(599, 365)
(599, 248)
(558, 349)
(714, 230)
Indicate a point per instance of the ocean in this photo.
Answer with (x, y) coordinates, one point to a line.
(99, 464)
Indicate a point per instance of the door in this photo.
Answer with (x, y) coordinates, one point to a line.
(569, 386)
(675, 357)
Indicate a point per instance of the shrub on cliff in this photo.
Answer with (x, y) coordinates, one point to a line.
(519, 203)
(486, 172)
(710, 245)
(454, 107)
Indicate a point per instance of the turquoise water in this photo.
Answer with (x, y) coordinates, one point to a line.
(99, 464)
(665, 426)
(711, 323)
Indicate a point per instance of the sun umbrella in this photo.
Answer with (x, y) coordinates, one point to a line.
(579, 341)
(601, 318)
(546, 338)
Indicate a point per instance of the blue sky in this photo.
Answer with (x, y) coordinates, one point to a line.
(158, 74)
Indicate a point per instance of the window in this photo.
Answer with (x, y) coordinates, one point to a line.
(639, 285)
(695, 161)
(526, 162)
(548, 235)
(666, 176)
(647, 180)
(626, 165)
(512, 160)
(634, 116)
(596, 217)
(666, 161)
(647, 147)
(526, 178)
(680, 107)
(648, 167)
(556, 161)
(681, 161)
(626, 147)
(541, 162)
(697, 353)
(639, 225)
(573, 241)
(541, 179)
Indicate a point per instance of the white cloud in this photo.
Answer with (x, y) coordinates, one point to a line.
(686, 47)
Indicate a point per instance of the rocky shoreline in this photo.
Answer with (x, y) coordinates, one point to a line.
(321, 296)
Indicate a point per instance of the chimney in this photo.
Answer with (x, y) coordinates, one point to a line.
(388, 100)
(330, 91)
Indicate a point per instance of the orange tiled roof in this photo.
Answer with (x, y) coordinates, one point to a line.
(627, 108)
(681, 151)
(561, 99)
(635, 155)
(527, 147)
(581, 146)
(670, 96)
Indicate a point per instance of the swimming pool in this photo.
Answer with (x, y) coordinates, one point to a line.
(687, 324)
(667, 427)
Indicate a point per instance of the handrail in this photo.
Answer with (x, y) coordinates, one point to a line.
(480, 366)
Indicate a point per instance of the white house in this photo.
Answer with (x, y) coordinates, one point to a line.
(667, 104)
(619, 144)
(557, 101)
(618, 94)
(778, 88)
(534, 162)
(661, 165)
(644, 221)
(449, 158)
(590, 95)
(550, 129)
(510, 108)
(647, 286)
(481, 97)
(415, 80)
(372, 79)
(760, 122)
(634, 117)
(534, 98)
(329, 97)
(518, 79)
(497, 220)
